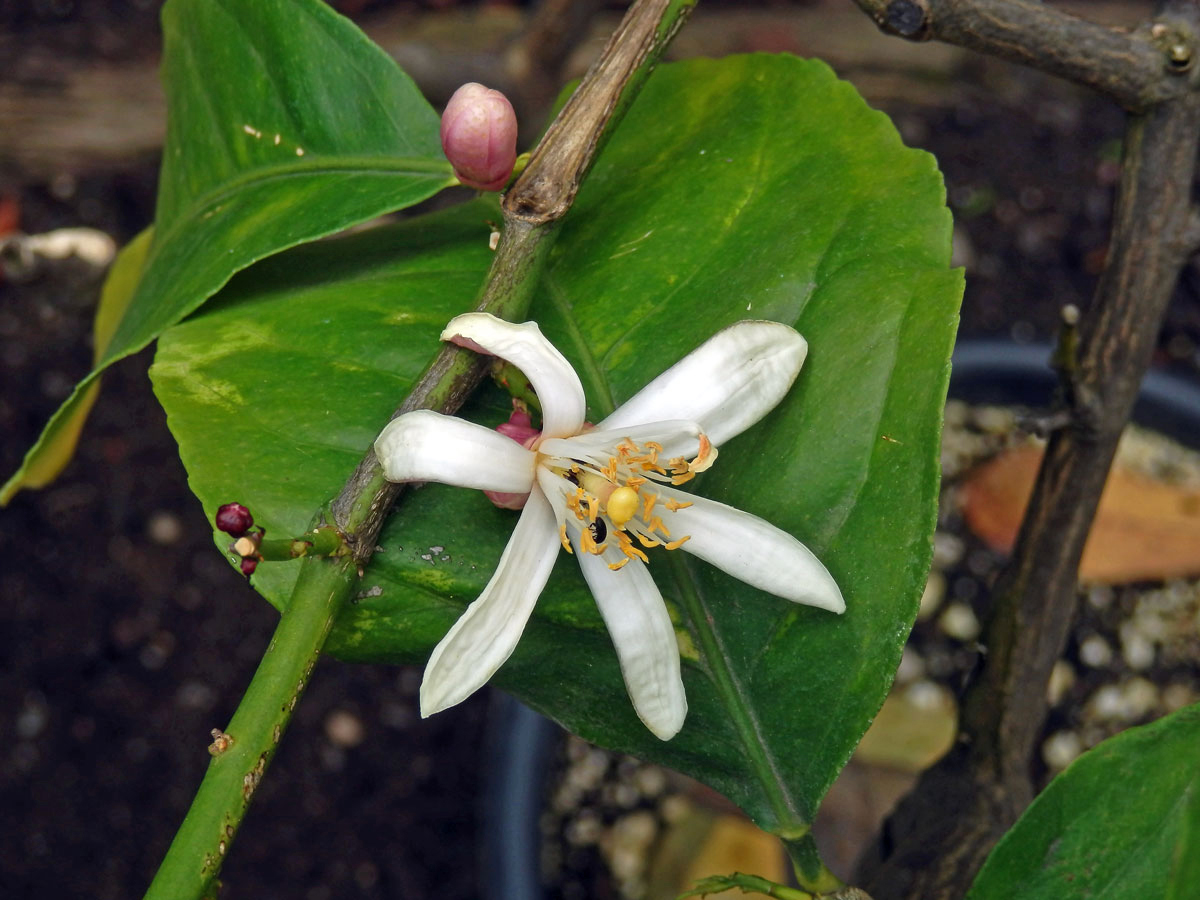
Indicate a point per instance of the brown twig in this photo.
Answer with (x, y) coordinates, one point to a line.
(1129, 66)
(941, 833)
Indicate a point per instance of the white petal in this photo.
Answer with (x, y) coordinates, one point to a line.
(557, 385)
(751, 550)
(487, 633)
(678, 438)
(426, 446)
(726, 384)
(644, 639)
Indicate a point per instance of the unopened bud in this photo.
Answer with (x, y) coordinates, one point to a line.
(234, 519)
(479, 136)
(249, 564)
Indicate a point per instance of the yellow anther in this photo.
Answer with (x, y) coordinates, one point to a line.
(626, 545)
(656, 524)
(705, 458)
(675, 545)
(673, 506)
(588, 543)
(622, 505)
(618, 565)
(682, 477)
(650, 500)
(647, 541)
(562, 536)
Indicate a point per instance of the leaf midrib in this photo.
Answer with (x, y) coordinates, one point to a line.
(360, 165)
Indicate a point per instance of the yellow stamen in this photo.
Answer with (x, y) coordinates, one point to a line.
(647, 541)
(618, 565)
(562, 536)
(674, 506)
(705, 458)
(593, 507)
(682, 477)
(675, 545)
(649, 500)
(656, 524)
(628, 549)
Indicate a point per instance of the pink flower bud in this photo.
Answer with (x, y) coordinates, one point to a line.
(234, 519)
(479, 136)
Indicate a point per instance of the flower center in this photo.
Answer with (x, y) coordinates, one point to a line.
(615, 500)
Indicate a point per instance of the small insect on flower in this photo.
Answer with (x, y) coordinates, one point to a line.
(607, 495)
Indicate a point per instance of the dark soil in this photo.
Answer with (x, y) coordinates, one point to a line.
(129, 637)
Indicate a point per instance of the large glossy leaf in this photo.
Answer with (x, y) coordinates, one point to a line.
(749, 187)
(285, 124)
(1122, 821)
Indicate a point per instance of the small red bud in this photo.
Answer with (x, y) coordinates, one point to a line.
(249, 564)
(479, 136)
(234, 519)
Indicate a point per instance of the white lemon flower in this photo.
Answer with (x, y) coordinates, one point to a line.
(606, 493)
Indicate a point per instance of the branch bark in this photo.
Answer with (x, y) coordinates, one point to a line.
(941, 833)
(1129, 66)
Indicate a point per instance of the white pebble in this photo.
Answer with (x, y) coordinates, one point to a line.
(1100, 596)
(1062, 679)
(1177, 696)
(959, 622)
(344, 729)
(1107, 703)
(928, 695)
(1061, 749)
(932, 596)
(1139, 697)
(1095, 652)
(1136, 649)
(947, 549)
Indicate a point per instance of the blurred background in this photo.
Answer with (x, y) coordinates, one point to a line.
(128, 636)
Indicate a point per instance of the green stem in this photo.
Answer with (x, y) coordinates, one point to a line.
(322, 541)
(747, 884)
(532, 214)
(810, 871)
(233, 775)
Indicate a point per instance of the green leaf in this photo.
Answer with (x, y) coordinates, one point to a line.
(1121, 821)
(751, 187)
(285, 124)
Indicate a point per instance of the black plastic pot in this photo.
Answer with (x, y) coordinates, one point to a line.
(523, 742)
